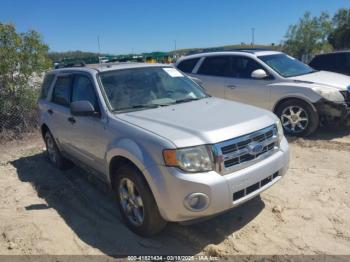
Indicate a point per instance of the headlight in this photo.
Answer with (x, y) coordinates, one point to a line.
(279, 131)
(190, 159)
(329, 94)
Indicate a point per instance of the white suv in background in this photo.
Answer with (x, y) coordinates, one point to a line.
(299, 95)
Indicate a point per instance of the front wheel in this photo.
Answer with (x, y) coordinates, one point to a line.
(297, 117)
(136, 202)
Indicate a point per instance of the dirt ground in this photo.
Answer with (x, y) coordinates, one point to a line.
(47, 211)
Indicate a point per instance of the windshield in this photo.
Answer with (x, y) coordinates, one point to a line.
(148, 87)
(286, 66)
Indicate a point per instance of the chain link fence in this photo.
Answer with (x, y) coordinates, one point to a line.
(18, 112)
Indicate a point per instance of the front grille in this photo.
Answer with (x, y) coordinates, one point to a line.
(251, 189)
(236, 153)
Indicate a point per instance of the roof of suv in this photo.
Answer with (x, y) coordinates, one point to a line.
(107, 67)
(248, 52)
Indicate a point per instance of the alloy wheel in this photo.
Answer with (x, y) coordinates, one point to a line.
(294, 119)
(131, 202)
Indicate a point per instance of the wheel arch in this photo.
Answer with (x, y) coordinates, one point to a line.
(44, 128)
(115, 163)
(287, 98)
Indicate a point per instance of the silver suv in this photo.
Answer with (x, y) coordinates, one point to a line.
(168, 150)
(299, 95)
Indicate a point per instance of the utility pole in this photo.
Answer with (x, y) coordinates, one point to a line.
(174, 48)
(253, 31)
(98, 43)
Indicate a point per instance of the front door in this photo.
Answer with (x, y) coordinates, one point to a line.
(88, 138)
(59, 112)
(243, 88)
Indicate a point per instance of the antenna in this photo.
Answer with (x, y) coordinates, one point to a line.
(253, 31)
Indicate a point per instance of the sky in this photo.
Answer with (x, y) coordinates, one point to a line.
(136, 26)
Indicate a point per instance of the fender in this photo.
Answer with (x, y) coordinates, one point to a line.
(138, 155)
(297, 96)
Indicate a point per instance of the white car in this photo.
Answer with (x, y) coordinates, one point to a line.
(300, 96)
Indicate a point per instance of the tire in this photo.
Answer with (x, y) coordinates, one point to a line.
(304, 119)
(143, 217)
(54, 153)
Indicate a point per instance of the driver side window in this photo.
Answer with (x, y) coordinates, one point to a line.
(83, 89)
(242, 67)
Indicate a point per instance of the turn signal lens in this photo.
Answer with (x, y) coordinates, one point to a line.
(170, 157)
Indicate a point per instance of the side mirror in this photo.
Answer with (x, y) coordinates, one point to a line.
(82, 108)
(259, 74)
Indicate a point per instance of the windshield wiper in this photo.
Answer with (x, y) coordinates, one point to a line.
(138, 107)
(189, 99)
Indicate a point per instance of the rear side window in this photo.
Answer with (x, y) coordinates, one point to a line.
(215, 66)
(323, 62)
(315, 62)
(62, 90)
(347, 61)
(83, 90)
(331, 62)
(46, 85)
(187, 65)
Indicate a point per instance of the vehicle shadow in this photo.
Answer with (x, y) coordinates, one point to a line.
(89, 209)
(324, 133)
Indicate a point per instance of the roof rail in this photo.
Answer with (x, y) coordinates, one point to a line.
(77, 64)
(244, 50)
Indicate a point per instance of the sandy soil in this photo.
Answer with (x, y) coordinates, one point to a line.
(46, 211)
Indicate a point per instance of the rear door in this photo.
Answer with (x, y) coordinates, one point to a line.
(214, 72)
(243, 88)
(58, 110)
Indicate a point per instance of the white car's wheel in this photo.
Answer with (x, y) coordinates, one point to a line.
(297, 117)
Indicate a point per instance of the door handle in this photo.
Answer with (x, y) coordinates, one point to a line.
(50, 111)
(231, 86)
(71, 120)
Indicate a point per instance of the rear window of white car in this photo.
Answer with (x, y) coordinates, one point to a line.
(187, 65)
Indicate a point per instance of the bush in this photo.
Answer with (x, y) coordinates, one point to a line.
(23, 59)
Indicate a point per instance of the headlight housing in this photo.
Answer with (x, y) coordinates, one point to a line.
(329, 94)
(190, 159)
(280, 133)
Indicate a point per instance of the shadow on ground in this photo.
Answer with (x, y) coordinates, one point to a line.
(90, 211)
(325, 133)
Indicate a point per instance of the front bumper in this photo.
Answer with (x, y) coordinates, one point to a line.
(220, 189)
(333, 113)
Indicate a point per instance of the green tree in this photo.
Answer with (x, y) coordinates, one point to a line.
(23, 58)
(340, 36)
(309, 36)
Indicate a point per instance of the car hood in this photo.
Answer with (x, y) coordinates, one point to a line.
(206, 121)
(325, 78)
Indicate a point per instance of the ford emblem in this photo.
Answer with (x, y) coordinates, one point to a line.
(255, 148)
